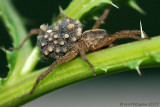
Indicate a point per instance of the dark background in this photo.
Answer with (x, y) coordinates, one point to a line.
(103, 91)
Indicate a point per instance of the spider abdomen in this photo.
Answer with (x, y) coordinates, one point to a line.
(58, 40)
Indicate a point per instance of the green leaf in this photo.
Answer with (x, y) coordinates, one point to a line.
(134, 5)
(2, 80)
(78, 8)
(17, 31)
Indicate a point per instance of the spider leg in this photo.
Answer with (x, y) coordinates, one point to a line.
(63, 59)
(32, 32)
(124, 34)
(83, 55)
(61, 15)
(128, 34)
(101, 18)
(134, 32)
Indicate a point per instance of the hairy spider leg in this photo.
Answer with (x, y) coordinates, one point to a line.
(129, 34)
(83, 55)
(101, 18)
(124, 34)
(32, 32)
(63, 59)
(134, 32)
(82, 50)
(61, 15)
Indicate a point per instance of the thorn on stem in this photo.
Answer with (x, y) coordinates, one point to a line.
(139, 72)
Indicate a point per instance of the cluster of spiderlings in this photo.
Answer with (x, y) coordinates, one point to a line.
(58, 40)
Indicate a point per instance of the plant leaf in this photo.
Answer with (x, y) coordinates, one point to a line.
(134, 5)
(78, 8)
(17, 31)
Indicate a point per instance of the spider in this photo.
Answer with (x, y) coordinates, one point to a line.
(64, 40)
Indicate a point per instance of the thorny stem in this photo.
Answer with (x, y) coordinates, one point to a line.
(114, 60)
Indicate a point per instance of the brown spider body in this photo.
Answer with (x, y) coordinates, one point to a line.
(65, 40)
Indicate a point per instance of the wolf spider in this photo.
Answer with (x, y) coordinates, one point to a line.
(65, 40)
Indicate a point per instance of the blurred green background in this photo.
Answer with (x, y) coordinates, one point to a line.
(37, 12)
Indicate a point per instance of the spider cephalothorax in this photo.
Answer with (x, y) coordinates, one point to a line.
(65, 40)
(57, 41)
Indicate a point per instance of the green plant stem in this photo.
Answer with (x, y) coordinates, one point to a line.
(145, 53)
